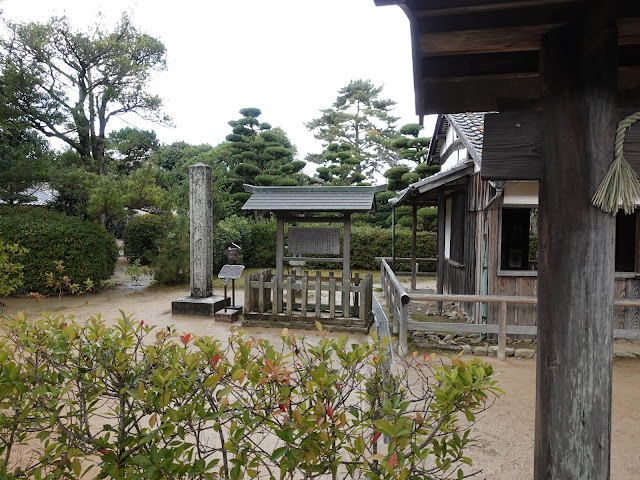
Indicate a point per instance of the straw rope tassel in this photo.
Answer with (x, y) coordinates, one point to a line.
(621, 184)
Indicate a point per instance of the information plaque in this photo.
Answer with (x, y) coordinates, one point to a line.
(319, 241)
(232, 272)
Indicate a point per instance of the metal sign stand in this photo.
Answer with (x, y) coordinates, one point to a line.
(230, 272)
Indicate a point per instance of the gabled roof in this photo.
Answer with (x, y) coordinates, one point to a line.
(470, 129)
(431, 183)
(311, 199)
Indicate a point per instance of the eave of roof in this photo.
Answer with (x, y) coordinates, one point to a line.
(431, 183)
(483, 55)
(311, 199)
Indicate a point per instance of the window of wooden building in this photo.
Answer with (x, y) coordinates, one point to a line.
(626, 242)
(519, 239)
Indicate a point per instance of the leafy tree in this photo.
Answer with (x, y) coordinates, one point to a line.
(410, 145)
(68, 84)
(24, 162)
(362, 120)
(257, 154)
(144, 192)
(130, 148)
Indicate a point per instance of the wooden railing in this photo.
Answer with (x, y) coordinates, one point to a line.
(263, 288)
(398, 300)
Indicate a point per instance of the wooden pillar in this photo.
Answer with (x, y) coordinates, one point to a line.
(346, 262)
(414, 228)
(279, 261)
(442, 205)
(393, 239)
(576, 258)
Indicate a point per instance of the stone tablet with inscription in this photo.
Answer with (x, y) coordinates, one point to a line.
(319, 241)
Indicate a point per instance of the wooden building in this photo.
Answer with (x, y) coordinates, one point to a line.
(576, 63)
(490, 223)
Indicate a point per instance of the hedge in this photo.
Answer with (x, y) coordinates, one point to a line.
(141, 237)
(87, 250)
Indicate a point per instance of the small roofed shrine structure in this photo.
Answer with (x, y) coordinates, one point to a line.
(577, 62)
(297, 299)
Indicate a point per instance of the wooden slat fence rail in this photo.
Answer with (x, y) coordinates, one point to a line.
(398, 300)
(262, 288)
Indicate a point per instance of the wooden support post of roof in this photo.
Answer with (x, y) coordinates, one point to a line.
(279, 260)
(414, 227)
(442, 205)
(346, 262)
(576, 256)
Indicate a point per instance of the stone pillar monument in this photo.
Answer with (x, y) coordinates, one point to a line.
(201, 223)
(201, 301)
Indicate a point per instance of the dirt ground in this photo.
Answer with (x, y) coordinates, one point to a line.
(505, 433)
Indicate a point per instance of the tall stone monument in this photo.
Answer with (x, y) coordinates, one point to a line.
(201, 301)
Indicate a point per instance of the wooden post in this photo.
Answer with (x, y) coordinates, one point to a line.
(279, 260)
(414, 228)
(502, 334)
(442, 205)
(247, 293)
(277, 294)
(304, 295)
(261, 292)
(332, 295)
(393, 239)
(289, 296)
(346, 295)
(403, 320)
(576, 249)
(318, 292)
(346, 262)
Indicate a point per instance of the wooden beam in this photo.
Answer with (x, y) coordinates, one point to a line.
(479, 94)
(494, 65)
(512, 148)
(454, 7)
(576, 250)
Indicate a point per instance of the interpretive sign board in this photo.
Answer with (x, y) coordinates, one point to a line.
(231, 272)
(319, 241)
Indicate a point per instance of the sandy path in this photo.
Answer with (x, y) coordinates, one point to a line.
(505, 434)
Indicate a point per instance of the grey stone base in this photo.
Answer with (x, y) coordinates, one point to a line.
(202, 307)
(230, 316)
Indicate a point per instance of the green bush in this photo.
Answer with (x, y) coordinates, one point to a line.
(370, 242)
(233, 229)
(172, 265)
(87, 250)
(141, 237)
(125, 400)
(260, 248)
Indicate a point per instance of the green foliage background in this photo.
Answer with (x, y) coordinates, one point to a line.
(88, 250)
(141, 237)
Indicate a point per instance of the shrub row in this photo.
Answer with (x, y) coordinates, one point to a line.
(257, 238)
(87, 250)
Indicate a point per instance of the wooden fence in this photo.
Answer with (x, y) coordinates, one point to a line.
(398, 300)
(262, 290)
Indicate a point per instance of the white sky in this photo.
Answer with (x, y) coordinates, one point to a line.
(287, 57)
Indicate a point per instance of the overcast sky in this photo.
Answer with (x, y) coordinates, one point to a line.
(287, 57)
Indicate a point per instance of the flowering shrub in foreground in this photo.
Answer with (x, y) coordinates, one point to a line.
(128, 401)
